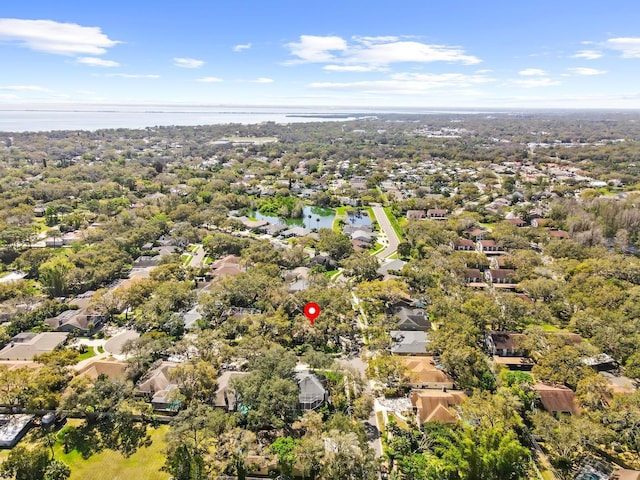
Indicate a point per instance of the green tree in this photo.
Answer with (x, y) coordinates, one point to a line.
(335, 244)
(284, 448)
(26, 464)
(53, 275)
(361, 266)
(57, 470)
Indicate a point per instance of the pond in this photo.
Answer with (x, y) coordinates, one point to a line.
(312, 217)
(359, 218)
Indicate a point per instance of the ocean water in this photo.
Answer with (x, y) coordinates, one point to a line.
(19, 118)
(37, 118)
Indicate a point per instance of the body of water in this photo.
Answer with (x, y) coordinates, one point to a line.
(312, 217)
(22, 118)
(359, 218)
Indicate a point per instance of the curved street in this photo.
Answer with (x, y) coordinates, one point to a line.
(387, 229)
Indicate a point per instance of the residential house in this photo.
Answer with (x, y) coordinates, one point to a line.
(312, 391)
(505, 344)
(158, 386)
(506, 349)
(416, 214)
(75, 321)
(558, 235)
(297, 279)
(501, 277)
(111, 369)
(624, 474)
(385, 270)
(517, 222)
(295, 232)
(463, 245)
(556, 400)
(226, 266)
(423, 373)
(274, 229)
(26, 345)
(325, 260)
(437, 213)
(475, 233)
(225, 396)
(601, 362)
(411, 316)
(474, 278)
(191, 317)
(436, 405)
(364, 236)
(63, 240)
(489, 247)
(409, 342)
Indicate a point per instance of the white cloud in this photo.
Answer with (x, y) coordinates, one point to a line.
(188, 62)
(353, 68)
(532, 72)
(262, 80)
(378, 39)
(532, 82)
(55, 37)
(24, 88)
(313, 49)
(8, 96)
(588, 54)
(372, 53)
(396, 52)
(411, 84)
(209, 80)
(586, 71)
(97, 62)
(629, 46)
(242, 46)
(128, 75)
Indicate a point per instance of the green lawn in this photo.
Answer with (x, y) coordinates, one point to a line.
(394, 222)
(341, 214)
(100, 349)
(88, 354)
(186, 259)
(110, 465)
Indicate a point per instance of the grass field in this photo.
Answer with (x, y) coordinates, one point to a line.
(341, 214)
(110, 465)
(88, 354)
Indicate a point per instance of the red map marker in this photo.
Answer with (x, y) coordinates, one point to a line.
(311, 311)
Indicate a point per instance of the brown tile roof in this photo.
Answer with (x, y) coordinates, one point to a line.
(423, 370)
(625, 475)
(502, 274)
(556, 399)
(434, 405)
(110, 368)
(464, 242)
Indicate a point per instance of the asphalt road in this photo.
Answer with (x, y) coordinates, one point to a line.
(390, 233)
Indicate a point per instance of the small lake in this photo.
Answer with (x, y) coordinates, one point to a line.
(359, 218)
(312, 217)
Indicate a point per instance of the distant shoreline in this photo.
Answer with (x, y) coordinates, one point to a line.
(91, 117)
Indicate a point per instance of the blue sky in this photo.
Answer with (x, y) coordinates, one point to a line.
(468, 53)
